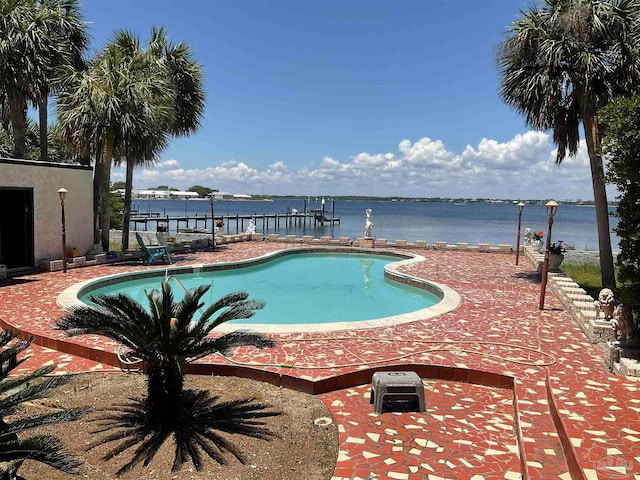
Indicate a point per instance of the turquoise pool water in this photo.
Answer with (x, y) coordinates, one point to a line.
(301, 289)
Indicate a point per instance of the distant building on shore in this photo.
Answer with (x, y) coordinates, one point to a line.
(180, 195)
(230, 196)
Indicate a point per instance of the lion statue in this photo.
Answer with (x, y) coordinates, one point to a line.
(622, 323)
(605, 305)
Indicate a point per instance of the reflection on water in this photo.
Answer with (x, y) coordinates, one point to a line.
(366, 267)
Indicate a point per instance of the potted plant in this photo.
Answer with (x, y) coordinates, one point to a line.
(537, 236)
(219, 225)
(556, 254)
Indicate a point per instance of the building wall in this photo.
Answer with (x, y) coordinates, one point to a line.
(45, 178)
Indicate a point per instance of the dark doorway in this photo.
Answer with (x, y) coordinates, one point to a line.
(16, 228)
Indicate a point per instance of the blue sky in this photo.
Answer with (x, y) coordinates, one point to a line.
(348, 97)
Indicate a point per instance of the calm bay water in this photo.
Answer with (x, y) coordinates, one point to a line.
(473, 223)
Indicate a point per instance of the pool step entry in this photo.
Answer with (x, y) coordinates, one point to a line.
(396, 391)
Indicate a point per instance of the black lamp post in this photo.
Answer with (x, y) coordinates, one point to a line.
(213, 224)
(552, 208)
(520, 208)
(62, 192)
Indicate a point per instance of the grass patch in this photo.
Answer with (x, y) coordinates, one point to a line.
(586, 275)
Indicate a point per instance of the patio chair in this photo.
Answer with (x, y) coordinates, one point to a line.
(151, 252)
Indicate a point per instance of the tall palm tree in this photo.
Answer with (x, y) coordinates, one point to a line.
(38, 36)
(15, 390)
(72, 29)
(100, 110)
(560, 64)
(167, 336)
(185, 96)
(125, 107)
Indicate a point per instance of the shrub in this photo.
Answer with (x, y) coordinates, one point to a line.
(167, 338)
(14, 448)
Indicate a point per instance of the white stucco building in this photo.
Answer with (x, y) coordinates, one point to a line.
(30, 217)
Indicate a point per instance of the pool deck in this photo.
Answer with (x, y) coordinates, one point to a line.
(511, 391)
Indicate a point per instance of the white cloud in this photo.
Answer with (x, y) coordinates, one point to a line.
(521, 167)
(521, 151)
(168, 164)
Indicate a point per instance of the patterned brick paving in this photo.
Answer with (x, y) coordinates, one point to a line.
(512, 392)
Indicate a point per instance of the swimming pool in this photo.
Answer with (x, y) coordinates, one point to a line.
(317, 290)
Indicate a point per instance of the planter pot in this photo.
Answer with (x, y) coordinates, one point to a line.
(555, 259)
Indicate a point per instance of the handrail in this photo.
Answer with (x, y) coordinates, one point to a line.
(181, 285)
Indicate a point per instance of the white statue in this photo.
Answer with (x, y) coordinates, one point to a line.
(251, 228)
(527, 236)
(605, 305)
(368, 226)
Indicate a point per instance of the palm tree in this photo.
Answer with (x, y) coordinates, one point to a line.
(72, 29)
(559, 65)
(100, 110)
(19, 389)
(125, 107)
(185, 96)
(167, 337)
(39, 36)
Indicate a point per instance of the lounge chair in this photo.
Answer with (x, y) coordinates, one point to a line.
(151, 252)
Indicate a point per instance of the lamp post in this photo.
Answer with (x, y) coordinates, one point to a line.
(62, 192)
(520, 208)
(552, 208)
(213, 224)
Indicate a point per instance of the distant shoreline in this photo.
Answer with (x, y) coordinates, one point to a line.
(199, 199)
(457, 201)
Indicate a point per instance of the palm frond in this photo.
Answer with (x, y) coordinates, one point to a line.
(68, 415)
(19, 389)
(45, 449)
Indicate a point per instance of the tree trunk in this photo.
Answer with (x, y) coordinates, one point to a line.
(104, 194)
(594, 144)
(127, 204)
(164, 391)
(43, 107)
(18, 115)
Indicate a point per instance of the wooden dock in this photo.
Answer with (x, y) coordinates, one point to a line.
(232, 223)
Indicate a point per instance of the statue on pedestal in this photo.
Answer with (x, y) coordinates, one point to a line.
(620, 317)
(622, 322)
(368, 226)
(605, 305)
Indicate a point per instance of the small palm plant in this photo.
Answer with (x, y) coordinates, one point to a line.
(167, 337)
(16, 390)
